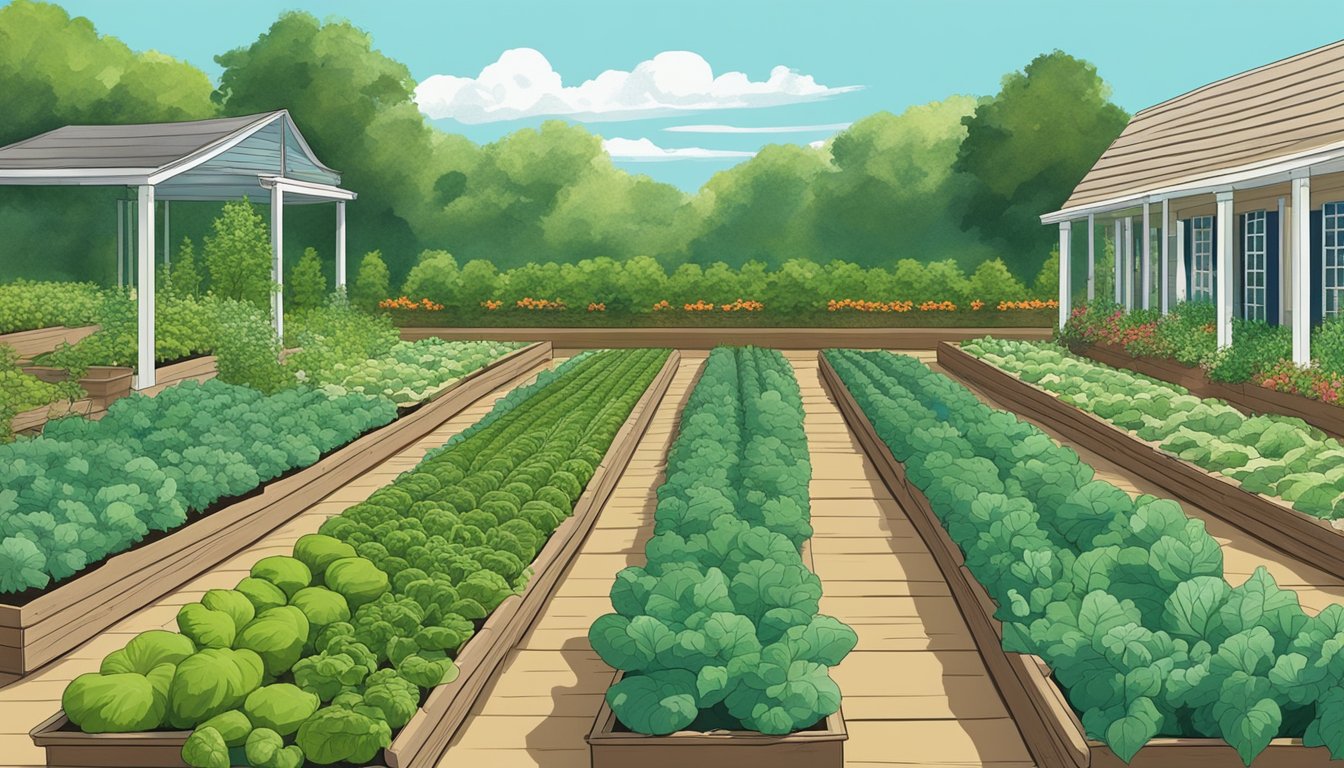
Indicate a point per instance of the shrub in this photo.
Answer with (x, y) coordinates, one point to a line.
(434, 277)
(371, 284)
(307, 285)
(183, 277)
(238, 255)
(27, 304)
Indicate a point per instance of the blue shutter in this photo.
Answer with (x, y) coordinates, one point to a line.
(1272, 267)
(1317, 264)
(1189, 258)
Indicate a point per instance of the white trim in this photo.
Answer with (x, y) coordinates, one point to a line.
(1166, 257)
(340, 244)
(1146, 259)
(306, 188)
(1300, 247)
(1181, 226)
(278, 260)
(1065, 271)
(219, 147)
(167, 240)
(1091, 258)
(1263, 173)
(1255, 264)
(1129, 263)
(121, 243)
(144, 289)
(1223, 277)
(129, 177)
(1118, 257)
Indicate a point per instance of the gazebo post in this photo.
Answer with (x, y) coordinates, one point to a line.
(340, 244)
(277, 260)
(167, 241)
(145, 288)
(121, 243)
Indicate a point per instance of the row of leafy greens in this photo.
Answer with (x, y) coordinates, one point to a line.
(720, 629)
(84, 490)
(321, 656)
(1125, 598)
(1279, 456)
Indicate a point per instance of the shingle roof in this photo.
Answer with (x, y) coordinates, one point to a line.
(1281, 109)
(144, 146)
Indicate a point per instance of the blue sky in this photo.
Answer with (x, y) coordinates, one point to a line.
(898, 52)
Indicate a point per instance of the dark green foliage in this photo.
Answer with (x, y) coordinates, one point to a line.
(307, 285)
(371, 284)
(1124, 598)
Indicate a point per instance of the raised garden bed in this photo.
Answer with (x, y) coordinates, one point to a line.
(30, 344)
(33, 419)
(1049, 726)
(708, 338)
(103, 383)
(55, 622)
(1246, 397)
(612, 745)
(423, 740)
(1300, 535)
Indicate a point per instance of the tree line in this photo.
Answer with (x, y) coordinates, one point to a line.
(961, 179)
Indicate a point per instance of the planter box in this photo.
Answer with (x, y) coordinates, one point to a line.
(33, 420)
(708, 338)
(1048, 724)
(823, 747)
(422, 741)
(76, 610)
(1270, 520)
(103, 383)
(1246, 397)
(30, 344)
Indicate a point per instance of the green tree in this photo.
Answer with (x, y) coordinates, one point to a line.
(1046, 285)
(1028, 147)
(372, 284)
(479, 283)
(435, 277)
(238, 254)
(307, 285)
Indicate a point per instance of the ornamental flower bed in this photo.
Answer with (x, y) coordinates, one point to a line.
(403, 303)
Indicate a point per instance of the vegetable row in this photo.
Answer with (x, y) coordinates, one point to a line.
(321, 656)
(720, 628)
(1275, 455)
(1125, 598)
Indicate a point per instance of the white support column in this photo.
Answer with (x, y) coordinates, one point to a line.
(1118, 256)
(1300, 246)
(121, 243)
(1285, 279)
(1091, 257)
(1129, 262)
(340, 244)
(145, 288)
(1223, 300)
(277, 260)
(167, 241)
(1065, 270)
(1165, 255)
(1180, 261)
(1146, 259)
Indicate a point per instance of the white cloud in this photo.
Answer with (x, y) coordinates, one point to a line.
(818, 144)
(522, 83)
(827, 128)
(646, 151)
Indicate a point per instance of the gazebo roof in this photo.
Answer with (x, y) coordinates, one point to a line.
(221, 159)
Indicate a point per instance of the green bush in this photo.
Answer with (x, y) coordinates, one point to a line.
(238, 255)
(371, 284)
(307, 285)
(26, 305)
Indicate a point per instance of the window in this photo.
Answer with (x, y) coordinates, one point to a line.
(1201, 257)
(1254, 258)
(1332, 263)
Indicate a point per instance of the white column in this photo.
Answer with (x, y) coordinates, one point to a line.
(1165, 255)
(1300, 245)
(145, 289)
(121, 243)
(1065, 271)
(1129, 262)
(1223, 300)
(277, 260)
(167, 241)
(340, 244)
(1285, 279)
(1091, 257)
(1118, 256)
(1180, 260)
(1147, 258)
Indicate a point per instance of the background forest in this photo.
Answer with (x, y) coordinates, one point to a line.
(963, 179)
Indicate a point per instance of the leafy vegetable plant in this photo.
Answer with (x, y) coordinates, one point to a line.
(720, 629)
(1125, 598)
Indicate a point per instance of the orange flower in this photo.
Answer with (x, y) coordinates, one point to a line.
(597, 307)
(492, 304)
(404, 303)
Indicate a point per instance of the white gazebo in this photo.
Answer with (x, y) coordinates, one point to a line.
(1232, 193)
(254, 156)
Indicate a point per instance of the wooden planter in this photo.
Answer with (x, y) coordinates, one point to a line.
(1246, 397)
(1049, 726)
(30, 344)
(34, 419)
(823, 747)
(1270, 520)
(423, 740)
(78, 609)
(103, 383)
(611, 746)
